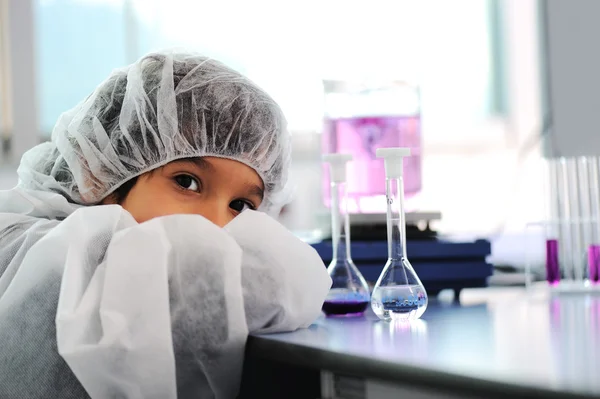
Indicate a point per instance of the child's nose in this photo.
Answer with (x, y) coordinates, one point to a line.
(217, 212)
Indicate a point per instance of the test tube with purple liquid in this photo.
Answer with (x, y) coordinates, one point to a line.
(573, 236)
(594, 263)
(594, 197)
(552, 263)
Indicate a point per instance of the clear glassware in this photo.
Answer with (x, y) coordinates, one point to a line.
(361, 116)
(349, 294)
(398, 295)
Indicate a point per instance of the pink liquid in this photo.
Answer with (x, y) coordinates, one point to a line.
(552, 266)
(361, 136)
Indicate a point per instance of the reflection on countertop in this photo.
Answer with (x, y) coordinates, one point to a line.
(529, 339)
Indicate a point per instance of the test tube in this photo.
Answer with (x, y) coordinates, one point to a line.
(594, 264)
(552, 263)
(553, 228)
(564, 220)
(576, 217)
(594, 248)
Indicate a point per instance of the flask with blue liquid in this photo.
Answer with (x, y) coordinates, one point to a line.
(398, 295)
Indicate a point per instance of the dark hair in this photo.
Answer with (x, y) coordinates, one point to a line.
(121, 193)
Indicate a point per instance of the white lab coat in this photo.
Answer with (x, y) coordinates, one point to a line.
(93, 304)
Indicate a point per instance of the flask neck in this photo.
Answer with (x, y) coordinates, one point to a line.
(396, 226)
(340, 222)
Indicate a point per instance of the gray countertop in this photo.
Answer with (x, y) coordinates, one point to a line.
(497, 340)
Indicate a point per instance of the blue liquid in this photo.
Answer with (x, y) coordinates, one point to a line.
(400, 307)
(401, 302)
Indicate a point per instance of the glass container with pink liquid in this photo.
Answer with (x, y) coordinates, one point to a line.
(362, 116)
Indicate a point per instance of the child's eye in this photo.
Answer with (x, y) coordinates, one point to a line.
(241, 205)
(187, 182)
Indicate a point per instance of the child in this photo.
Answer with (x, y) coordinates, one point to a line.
(152, 293)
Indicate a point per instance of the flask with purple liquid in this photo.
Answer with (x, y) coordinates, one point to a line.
(349, 293)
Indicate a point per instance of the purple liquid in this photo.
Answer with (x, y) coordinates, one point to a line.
(594, 263)
(552, 267)
(344, 308)
(361, 136)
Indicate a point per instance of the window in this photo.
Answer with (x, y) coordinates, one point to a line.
(288, 48)
(78, 44)
(472, 58)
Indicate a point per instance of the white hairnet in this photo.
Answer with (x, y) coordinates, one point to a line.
(164, 107)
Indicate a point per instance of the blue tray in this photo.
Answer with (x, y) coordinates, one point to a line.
(439, 264)
(434, 249)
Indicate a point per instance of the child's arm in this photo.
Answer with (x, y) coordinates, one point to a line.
(137, 303)
(34, 259)
(166, 298)
(284, 280)
(133, 297)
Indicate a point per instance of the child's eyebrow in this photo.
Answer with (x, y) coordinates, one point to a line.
(202, 164)
(253, 189)
(256, 190)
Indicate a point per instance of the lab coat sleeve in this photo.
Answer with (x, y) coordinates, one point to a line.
(99, 306)
(33, 253)
(162, 316)
(284, 280)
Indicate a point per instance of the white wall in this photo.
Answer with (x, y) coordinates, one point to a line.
(573, 65)
(21, 62)
(8, 178)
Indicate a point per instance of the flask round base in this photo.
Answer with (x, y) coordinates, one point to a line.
(399, 303)
(401, 316)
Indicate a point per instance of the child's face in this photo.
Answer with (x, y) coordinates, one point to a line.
(218, 189)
